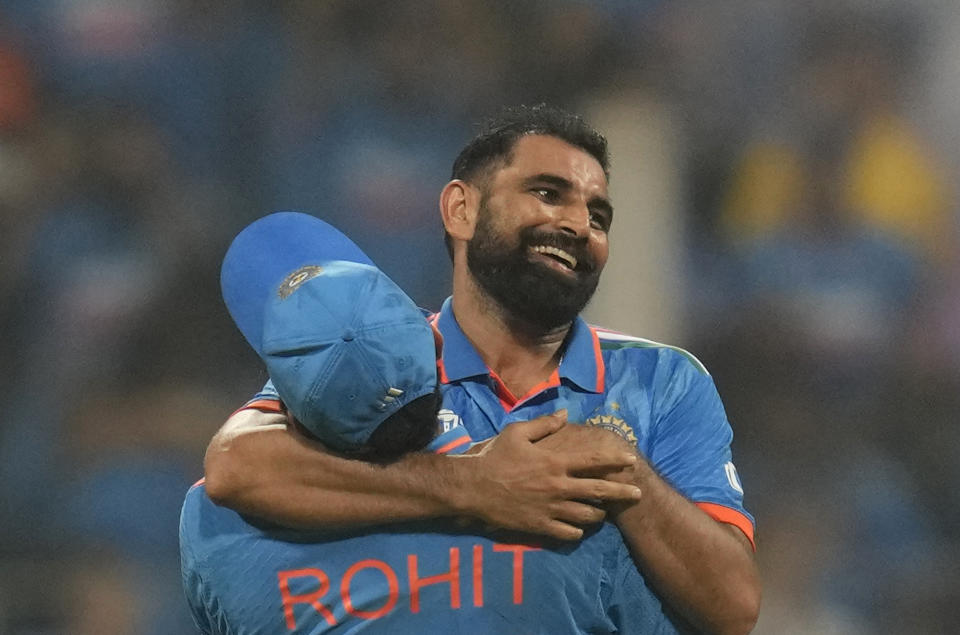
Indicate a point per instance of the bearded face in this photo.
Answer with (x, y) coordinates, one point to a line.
(542, 278)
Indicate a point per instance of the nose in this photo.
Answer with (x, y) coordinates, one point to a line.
(575, 220)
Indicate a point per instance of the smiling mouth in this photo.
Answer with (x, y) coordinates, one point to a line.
(557, 254)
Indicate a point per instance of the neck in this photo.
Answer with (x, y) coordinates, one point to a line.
(521, 354)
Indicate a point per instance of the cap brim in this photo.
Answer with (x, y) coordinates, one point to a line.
(265, 252)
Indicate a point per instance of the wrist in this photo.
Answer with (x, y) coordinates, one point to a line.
(452, 490)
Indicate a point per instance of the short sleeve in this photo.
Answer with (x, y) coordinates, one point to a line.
(691, 440)
(267, 399)
(456, 440)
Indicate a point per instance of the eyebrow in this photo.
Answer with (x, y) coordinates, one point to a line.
(595, 204)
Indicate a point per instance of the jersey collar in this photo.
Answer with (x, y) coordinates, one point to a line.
(581, 364)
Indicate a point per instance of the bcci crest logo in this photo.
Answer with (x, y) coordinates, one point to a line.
(292, 282)
(614, 424)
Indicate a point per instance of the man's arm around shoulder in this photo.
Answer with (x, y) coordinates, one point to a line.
(259, 465)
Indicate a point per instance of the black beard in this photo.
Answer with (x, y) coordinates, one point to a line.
(529, 291)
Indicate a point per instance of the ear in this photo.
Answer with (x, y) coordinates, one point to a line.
(459, 204)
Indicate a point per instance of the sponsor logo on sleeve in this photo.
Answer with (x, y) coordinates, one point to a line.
(732, 476)
(448, 420)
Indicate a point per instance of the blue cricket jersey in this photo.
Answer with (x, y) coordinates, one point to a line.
(243, 577)
(659, 397)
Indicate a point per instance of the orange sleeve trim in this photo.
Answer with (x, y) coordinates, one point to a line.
(728, 515)
(270, 405)
(456, 443)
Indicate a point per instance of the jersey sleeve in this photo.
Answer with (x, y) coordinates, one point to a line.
(691, 440)
(194, 588)
(267, 399)
(456, 440)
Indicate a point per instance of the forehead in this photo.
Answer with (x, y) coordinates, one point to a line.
(542, 154)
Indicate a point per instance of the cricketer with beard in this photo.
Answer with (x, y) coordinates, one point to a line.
(527, 217)
(326, 322)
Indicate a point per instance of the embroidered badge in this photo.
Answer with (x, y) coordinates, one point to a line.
(292, 282)
(614, 424)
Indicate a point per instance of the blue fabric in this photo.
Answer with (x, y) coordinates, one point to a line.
(659, 396)
(238, 575)
(456, 436)
(345, 346)
(265, 252)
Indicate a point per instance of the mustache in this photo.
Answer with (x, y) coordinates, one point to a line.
(576, 247)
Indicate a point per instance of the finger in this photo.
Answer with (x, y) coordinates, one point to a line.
(560, 530)
(598, 489)
(599, 459)
(541, 427)
(579, 513)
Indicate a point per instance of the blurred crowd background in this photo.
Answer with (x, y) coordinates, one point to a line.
(785, 182)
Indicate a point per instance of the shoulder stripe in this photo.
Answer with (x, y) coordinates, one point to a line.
(611, 340)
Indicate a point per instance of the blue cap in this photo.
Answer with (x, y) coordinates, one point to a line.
(344, 345)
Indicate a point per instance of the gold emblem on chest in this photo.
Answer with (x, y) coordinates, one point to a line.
(614, 424)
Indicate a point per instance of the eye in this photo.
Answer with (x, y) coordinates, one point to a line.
(599, 220)
(547, 194)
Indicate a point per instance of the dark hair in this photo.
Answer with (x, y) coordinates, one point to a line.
(499, 134)
(407, 430)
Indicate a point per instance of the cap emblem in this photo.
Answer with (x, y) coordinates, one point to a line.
(293, 281)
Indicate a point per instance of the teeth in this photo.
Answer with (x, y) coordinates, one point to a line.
(559, 253)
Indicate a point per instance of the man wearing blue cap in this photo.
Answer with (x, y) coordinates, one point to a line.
(527, 216)
(343, 345)
(315, 322)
